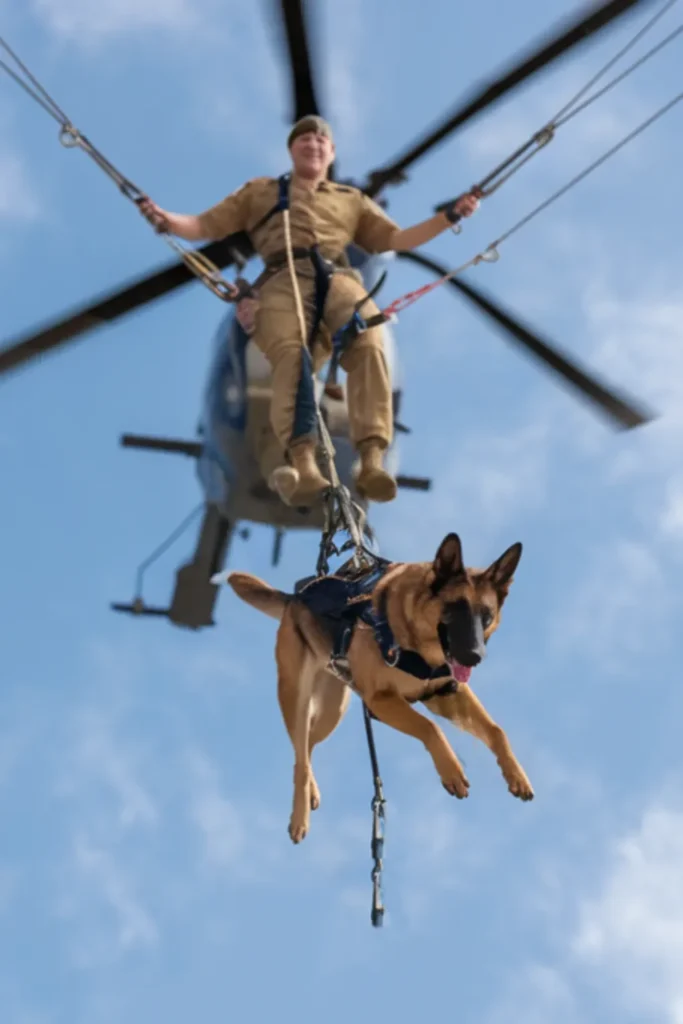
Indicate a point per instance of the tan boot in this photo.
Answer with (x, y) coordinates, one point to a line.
(284, 480)
(373, 480)
(302, 482)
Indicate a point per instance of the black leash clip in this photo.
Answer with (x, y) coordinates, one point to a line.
(377, 850)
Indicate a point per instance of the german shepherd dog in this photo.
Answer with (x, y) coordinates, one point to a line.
(443, 611)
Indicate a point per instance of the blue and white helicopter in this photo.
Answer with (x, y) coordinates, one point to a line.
(238, 387)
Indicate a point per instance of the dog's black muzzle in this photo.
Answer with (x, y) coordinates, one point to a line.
(461, 633)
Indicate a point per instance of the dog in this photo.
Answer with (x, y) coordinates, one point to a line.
(413, 632)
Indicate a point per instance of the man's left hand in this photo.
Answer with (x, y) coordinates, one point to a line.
(246, 313)
(467, 205)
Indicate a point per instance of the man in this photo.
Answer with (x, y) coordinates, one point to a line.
(325, 218)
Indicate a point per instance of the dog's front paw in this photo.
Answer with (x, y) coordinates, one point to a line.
(517, 781)
(453, 778)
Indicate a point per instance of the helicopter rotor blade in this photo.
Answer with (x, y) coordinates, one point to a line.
(138, 293)
(569, 36)
(292, 16)
(622, 412)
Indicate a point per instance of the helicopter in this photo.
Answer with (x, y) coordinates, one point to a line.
(238, 386)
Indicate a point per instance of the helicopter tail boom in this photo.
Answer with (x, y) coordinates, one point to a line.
(161, 444)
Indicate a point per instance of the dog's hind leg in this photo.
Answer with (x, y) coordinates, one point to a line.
(296, 669)
(330, 701)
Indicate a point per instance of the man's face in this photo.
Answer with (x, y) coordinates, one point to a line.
(312, 154)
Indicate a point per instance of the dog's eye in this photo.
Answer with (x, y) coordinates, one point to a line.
(486, 617)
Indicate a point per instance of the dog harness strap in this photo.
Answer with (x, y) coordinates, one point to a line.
(340, 602)
(406, 661)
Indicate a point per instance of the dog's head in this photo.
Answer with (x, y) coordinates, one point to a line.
(468, 603)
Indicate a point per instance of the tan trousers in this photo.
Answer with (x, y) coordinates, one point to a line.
(278, 335)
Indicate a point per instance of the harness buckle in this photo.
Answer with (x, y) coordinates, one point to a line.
(393, 656)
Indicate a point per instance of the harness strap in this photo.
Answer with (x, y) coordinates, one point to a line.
(406, 660)
(282, 203)
(438, 680)
(351, 330)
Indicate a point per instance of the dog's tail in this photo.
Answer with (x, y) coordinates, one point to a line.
(258, 594)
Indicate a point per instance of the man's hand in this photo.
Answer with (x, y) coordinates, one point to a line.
(246, 313)
(157, 217)
(183, 225)
(406, 239)
(466, 205)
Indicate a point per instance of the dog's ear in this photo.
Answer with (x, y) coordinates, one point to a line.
(448, 561)
(501, 571)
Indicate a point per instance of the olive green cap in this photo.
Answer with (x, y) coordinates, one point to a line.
(310, 123)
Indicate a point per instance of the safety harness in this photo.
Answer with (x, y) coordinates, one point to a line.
(305, 410)
(343, 599)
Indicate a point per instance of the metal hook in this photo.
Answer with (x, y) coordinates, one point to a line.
(545, 136)
(491, 255)
(69, 136)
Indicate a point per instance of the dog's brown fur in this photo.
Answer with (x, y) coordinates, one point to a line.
(313, 701)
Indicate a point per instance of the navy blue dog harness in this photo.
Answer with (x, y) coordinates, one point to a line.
(342, 600)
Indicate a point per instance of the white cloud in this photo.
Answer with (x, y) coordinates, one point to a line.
(631, 932)
(598, 127)
(90, 22)
(638, 341)
(107, 880)
(641, 338)
(106, 809)
(619, 943)
(218, 819)
(537, 995)
(18, 199)
(619, 607)
(492, 480)
(505, 473)
(101, 768)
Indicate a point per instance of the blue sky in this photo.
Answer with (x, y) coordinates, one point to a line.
(145, 776)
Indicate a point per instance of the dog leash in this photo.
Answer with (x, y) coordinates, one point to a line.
(378, 818)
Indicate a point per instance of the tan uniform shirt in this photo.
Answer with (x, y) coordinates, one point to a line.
(331, 216)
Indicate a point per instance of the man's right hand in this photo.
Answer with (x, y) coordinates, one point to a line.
(158, 218)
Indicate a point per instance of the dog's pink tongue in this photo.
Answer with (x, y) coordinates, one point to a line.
(461, 673)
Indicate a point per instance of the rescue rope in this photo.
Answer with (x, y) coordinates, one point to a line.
(70, 137)
(491, 254)
(339, 514)
(541, 138)
(339, 509)
(588, 170)
(560, 117)
(505, 170)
